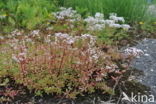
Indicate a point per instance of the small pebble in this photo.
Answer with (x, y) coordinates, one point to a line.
(146, 54)
(151, 70)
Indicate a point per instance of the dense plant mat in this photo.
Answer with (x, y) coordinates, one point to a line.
(68, 57)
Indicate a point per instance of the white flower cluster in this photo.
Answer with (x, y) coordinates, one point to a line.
(16, 33)
(98, 23)
(1, 37)
(113, 22)
(111, 67)
(63, 37)
(35, 33)
(20, 57)
(113, 16)
(93, 52)
(13, 43)
(67, 13)
(47, 39)
(92, 39)
(95, 23)
(133, 51)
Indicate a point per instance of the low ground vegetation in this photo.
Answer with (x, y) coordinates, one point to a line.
(67, 52)
(64, 59)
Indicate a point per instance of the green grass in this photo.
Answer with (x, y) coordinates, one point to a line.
(24, 13)
(131, 10)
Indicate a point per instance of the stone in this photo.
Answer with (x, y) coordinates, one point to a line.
(147, 64)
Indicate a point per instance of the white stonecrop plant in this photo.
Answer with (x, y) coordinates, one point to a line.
(98, 23)
(133, 51)
(94, 23)
(113, 22)
(94, 52)
(113, 16)
(67, 13)
(1, 37)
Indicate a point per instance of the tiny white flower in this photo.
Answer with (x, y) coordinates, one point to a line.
(99, 15)
(29, 40)
(15, 58)
(67, 13)
(146, 54)
(125, 26)
(35, 33)
(108, 67)
(1, 37)
(61, 35)
(98, 79)
(115, 25)
(114, 17)
(22, 54)
(109, 22)
(133, 51)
